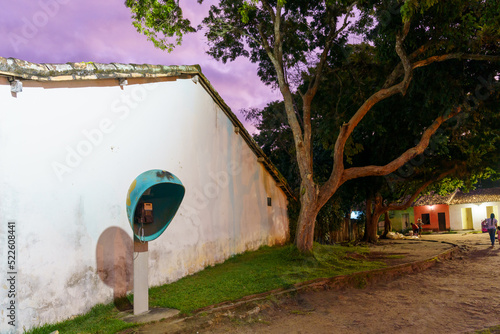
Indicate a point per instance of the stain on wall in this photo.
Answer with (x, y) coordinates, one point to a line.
(114, 262)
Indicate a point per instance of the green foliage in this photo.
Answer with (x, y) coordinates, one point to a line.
(160, 20)
(237, 28)
(410, 7)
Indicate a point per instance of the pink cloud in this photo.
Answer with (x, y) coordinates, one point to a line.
(59, 31)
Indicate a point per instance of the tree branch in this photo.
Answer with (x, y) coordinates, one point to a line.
(409, 201)
(449, 56)
(268, 7)
(355, 172)
(400, 37)
(338, 173)
(335, 180)
(314, 84)
(269, 51)
(398, 70)
(315, 81)
(275, 54)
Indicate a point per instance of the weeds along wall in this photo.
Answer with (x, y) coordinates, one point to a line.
(70, 151)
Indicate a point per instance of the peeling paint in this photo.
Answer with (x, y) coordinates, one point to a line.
(164, 174)
(132, 187)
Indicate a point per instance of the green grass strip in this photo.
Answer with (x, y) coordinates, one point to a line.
(249, 273)
(100, 319)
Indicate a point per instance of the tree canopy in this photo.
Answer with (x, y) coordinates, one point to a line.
(450, 153)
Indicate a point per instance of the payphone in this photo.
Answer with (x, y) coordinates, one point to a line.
(152, 202)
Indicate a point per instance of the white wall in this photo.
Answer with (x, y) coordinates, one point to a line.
(478, 214)
(68, 156)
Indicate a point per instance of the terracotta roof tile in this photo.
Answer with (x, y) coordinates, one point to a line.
(477, 196)
(432, 199)
(459, 197)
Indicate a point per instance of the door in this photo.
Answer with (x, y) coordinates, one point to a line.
(405, 220)
(490, 210)
(467, 219)
(442, 221)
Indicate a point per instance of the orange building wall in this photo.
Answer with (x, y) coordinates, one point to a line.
(433, 211)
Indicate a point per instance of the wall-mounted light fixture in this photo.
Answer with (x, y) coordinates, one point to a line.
(16, 86)
(123, 82)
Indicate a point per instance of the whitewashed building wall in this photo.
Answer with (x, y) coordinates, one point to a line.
(478, 210)
(69, 151)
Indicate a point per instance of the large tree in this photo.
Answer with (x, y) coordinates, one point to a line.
(294, 39)
(334, 104)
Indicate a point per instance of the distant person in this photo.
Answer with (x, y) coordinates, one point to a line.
(491, 224)
(414, 227)
(419, 224)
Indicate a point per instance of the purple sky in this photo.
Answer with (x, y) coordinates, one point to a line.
(60, 31)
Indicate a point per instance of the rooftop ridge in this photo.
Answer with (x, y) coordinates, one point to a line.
(89, 70)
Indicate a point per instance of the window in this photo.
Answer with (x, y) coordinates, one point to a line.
(426, 219)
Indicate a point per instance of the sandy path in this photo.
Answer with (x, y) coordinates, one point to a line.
(454, 297)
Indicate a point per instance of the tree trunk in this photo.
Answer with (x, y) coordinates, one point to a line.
(387, 224)
(309, 209)
(305, 228)
(372, 228)
(368, 217)
(371, 222)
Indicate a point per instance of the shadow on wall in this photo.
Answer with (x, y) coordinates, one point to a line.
(114, 253)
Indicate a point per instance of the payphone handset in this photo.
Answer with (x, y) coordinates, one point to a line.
(145, 213)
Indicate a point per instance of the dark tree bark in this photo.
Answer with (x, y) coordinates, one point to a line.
(387, 225)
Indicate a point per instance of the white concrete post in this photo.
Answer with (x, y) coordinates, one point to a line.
(141, 283)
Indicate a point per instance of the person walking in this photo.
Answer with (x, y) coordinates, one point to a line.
(491, 224)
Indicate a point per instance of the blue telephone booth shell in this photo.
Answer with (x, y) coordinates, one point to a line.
(164, 191)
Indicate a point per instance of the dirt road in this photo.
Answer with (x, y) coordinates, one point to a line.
(455, 296)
